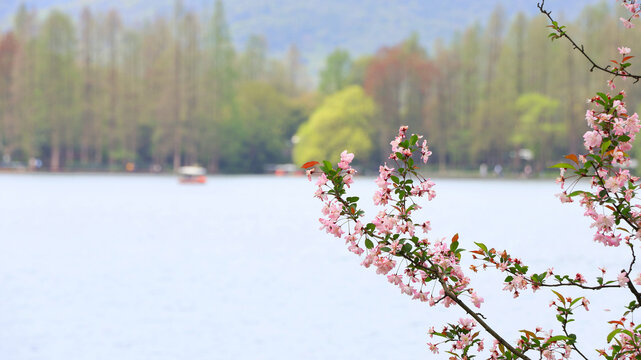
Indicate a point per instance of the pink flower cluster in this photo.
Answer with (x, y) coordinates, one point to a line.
(463, 336)
(391, 243)
(634, 8)
(608, 142)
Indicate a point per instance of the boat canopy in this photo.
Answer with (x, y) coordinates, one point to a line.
(192, 171)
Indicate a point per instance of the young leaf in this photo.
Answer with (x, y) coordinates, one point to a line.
(572, 157)
(561, 298)
(309, 164)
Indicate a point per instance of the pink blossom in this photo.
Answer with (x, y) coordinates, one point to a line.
(322, 180)
(395, 143)
(369, 260)
(612, 184)
(348, 180)
(395, 279)
(355, 249)
(309, 173)
(624, 50)
(466, 323)
(590, 118)
(585, 302)
(563, 196)
(622, 278)
(626, 23)
(346, 159)
(406, 289)
(592, 139)
(611, 84)
(423, 297)
(384, 265)
(476, 300)
(385, 171)
(603, 222)
(426, 226)
(425, 152)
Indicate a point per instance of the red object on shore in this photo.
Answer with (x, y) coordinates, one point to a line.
(193, 180)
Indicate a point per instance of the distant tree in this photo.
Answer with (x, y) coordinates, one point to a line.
(192, 68)
(58, 85)
(256, 136)
(253, 63)
(358, 70)
(343, 121)
(25, 86)
(90, 128)
(398, 79)
(536, 117)
(295, 72)
(220, 87)
(114, 28)
(335, 76)
(9, 126)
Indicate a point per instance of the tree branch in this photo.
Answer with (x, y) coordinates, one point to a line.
(581, 49)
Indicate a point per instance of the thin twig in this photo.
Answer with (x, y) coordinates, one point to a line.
(581, 49)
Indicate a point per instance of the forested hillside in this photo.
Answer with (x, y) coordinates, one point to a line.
(95, 92)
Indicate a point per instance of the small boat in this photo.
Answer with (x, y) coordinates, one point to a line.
(192, 175)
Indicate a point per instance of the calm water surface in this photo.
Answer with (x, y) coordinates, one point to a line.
(140, 267)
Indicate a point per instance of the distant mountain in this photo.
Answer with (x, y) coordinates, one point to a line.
(319, 26)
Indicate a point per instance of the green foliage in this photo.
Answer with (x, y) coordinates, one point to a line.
(535, 111)
(257, 132)
(335, 76)
(342, 122)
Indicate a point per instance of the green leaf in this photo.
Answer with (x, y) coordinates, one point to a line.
(327, 165)
(606, 144)
(352, 199)
(369, 244)
(413, 139)
(558, 338)
(482, 246)
(563, 166)
(576, 300)
(614, 333)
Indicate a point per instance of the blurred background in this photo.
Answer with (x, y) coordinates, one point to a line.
(103, 255)
(243, 86)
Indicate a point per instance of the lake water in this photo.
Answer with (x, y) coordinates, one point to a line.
(140, 267)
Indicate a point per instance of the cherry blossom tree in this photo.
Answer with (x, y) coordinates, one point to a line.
(432, 270)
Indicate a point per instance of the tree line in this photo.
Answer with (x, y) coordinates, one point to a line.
(95, 93)
(499, 93)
